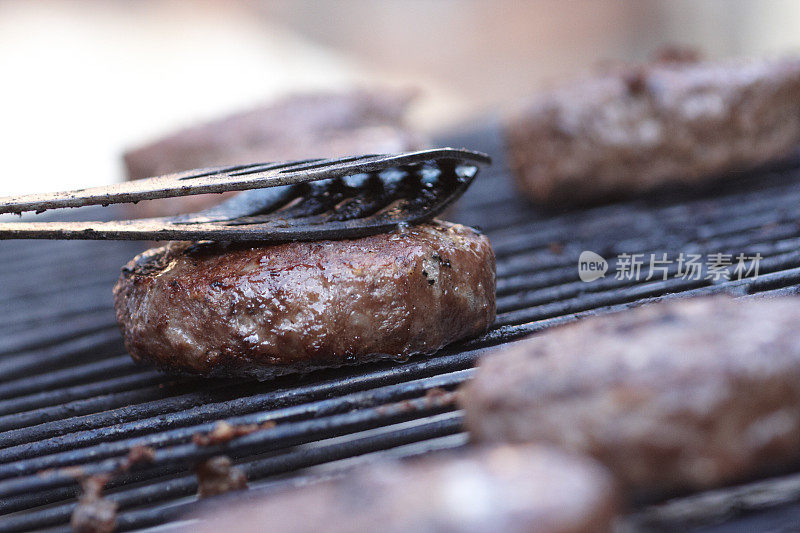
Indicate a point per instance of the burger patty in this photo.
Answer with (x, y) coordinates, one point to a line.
(511, 489)
(630, 130)
(302, 126)
(672, 396)
(265, 310)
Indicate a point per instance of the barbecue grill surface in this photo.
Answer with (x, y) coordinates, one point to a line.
(71, 396)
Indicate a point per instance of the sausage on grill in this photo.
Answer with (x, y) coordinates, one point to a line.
(510, 489)
(631, 130)
(272, 309)
(671, 396)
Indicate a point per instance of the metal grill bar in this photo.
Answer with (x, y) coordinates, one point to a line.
(88, 373)
(96, 345)
(70, 396)
(284, 435)
(43, 399)
(183, 434)
(183, 486)
(30, 443)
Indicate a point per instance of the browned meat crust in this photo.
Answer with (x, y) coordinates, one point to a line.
(631, 130)
(510, 489)
(217, 475)
(269, 310)
(671, 396)
(297, 127)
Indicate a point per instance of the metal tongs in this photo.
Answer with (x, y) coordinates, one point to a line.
(300, 200)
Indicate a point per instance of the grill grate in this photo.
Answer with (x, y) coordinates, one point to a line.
(70, 396)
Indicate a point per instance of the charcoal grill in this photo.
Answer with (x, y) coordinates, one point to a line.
(72, 402)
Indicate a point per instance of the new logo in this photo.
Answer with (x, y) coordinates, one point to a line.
(591, 266)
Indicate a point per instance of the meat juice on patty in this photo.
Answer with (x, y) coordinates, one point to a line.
(266, 310)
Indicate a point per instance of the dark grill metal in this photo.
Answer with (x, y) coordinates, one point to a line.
(70, 396)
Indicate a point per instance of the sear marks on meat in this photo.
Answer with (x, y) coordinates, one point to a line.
(94, 514)
(671, 397)
(266, 310)
(674, 121)
(217, 475)
(510, 489)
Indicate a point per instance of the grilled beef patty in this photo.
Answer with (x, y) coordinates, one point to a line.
(335, 124)
(272, 309)
(671, 396)
(510, 489)
(630, 130)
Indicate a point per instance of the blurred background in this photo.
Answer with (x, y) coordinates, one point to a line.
(82, 81)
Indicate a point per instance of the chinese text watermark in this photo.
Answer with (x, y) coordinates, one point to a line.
(716, 267)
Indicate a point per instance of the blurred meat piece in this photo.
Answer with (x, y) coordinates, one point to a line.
(217, 475)
(510, 489)
(224, 432)
(297, 127)
(94, 514)
(674, 121)
(671, 396)
(138, 455)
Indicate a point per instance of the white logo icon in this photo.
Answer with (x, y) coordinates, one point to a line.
(591, 266)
